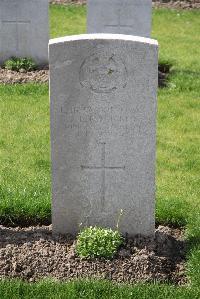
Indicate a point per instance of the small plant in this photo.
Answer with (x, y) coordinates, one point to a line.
(17, 64)
(98, 242)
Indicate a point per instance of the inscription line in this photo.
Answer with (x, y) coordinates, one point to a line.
(100, 167)
(16, 22)
(128, 26)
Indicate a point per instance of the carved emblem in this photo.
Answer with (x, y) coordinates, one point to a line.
(103, 72)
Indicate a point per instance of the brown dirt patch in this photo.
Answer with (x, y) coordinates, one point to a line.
(187, 4)
(181, 4)
(77, 2)
(33, 253)
(13, 77)
(42, 76)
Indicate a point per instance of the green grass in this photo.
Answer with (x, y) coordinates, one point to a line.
(67, 20)
(24, 148)
(93, 290)
(178, 36)
(25, 158)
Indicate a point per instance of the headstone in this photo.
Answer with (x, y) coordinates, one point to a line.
(119, 16)
(24, 29)
(103, 123)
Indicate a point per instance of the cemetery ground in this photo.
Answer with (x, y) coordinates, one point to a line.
(25, 158)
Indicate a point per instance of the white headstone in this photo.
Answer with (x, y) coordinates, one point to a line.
(24, 29)
(103, 131)
(119, 16)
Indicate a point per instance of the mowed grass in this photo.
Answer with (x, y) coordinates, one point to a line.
(67, 20)
(93, 290)
(25, 147)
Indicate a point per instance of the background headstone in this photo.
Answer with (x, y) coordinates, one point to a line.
(119, 16)
(24, 29)
(103, 123)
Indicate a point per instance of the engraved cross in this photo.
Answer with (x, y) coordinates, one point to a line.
(17, 24)
(103, 168)
(119, 24)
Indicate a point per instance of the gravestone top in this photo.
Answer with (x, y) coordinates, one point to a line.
(103, 122)
(119, 16)
(24, 29)
(105, 36)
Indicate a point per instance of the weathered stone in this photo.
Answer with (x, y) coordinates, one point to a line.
(116, 16)
(103, 123)
(24, 29)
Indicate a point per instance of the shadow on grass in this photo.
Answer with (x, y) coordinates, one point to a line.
(24, 221)
(164, 70)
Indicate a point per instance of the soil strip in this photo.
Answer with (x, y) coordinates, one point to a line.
(42, 76)
(33, 253)
(181, 4)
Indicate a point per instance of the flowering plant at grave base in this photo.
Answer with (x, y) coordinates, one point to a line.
(17, 64)
(98, 242)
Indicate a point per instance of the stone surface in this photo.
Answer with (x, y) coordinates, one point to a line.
(116, 16)
(24, 29)
(103, 123)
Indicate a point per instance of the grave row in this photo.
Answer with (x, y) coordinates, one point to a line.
(24, 26)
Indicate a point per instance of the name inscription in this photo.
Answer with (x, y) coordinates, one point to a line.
(113, 119)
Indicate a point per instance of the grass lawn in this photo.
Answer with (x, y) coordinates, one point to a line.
(92, 290)
(25, 159)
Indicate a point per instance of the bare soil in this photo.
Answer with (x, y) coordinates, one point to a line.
(42, 76)
(13, 77)
(183, 4)
(33, 253)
